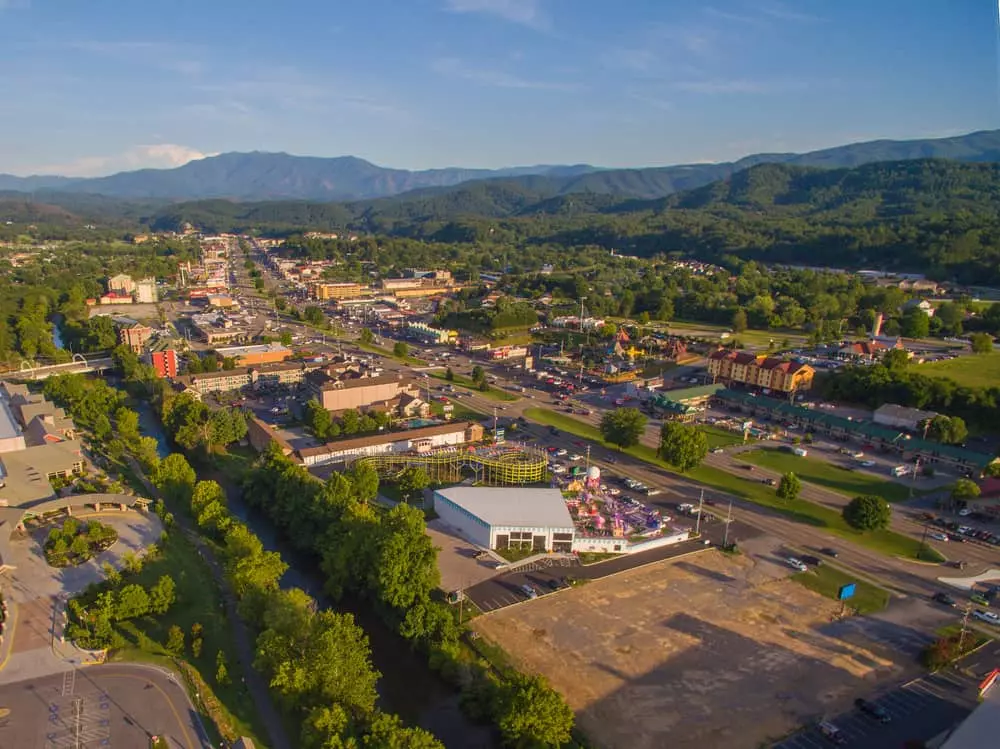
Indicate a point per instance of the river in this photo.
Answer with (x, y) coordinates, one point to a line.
(408, 687)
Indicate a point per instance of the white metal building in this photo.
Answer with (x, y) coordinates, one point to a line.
(901, 417)
(501, 518)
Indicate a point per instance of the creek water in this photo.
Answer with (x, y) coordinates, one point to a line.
(407, 686)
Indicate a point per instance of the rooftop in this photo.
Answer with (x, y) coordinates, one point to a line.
(893, 411)
(25, 472)
(8, 425)
(384, 438)
(262, 348)
(515, 507)
(981, 727)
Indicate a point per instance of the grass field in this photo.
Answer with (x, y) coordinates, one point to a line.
(974, 370)
(809, 513)
(373, 349)
(493, 393)
(720, 437)
(826, 581)
(827, 475)
(460, 411)
(198, 601)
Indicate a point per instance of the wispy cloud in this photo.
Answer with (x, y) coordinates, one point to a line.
(455, 68)
(728, 15)
(156, 156)
(738, 86)
(783, 12)
(650, 100)
(526, 12)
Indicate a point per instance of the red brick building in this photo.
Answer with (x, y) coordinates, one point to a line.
(164, 362)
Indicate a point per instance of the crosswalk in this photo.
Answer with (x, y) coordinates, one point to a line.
(911, 699)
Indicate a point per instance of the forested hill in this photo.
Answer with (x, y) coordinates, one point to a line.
(931, 216)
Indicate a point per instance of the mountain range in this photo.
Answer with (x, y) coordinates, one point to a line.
(281, 176)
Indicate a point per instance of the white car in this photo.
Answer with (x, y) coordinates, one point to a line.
(561, 451)
(613, 491)
(717, 450)
(938, 536)
(986, 616)
(558, 469)
(868, 463)
(575, 457)
(797, 564)
(965, 511)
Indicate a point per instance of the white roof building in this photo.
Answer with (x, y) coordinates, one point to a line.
(500, 518)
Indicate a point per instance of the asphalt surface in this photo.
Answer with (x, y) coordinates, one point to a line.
(919, 710)
(119, 705)
(505, 589)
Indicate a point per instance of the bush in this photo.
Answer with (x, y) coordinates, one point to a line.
(868, 513)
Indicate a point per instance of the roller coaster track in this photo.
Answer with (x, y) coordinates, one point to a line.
(509, 464)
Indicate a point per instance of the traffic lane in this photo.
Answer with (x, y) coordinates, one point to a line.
(918, 710)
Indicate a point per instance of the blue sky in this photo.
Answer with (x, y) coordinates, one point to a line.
(97, 86)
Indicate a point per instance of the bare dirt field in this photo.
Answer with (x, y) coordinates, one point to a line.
(697, 653)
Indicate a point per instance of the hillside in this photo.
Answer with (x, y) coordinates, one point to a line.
(279, 176)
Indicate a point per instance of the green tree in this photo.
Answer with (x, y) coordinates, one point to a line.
(388, 732)
(963, 490)
(915, 323)
(449, 375)
(204, 494)
(739, 321)
(79, 548)
(318, 419)
(789, 487)
(400, 349)
(314, 316)
(175, 641)
(950, 430)
(196, 645)
(992, 470)
(404, 566)
(131, 601)
(285, 338)
(478, 374)
(146, 451)
(623, 427)
(897, 359)
(127, 424)
(982, 343)
(682, 445)
(366, 336)
(868, 513)
(221, 668)
(530, 713)
(162, 595)
(412, 481)
(951, 315)
(175, 478)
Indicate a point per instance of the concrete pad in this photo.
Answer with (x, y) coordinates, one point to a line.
(457, 558)
(968, 583)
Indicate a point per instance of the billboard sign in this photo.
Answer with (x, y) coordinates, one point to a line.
(846, 591)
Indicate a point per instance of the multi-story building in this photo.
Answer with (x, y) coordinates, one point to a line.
(424, 332)
(359, 392)
(135, 336)
(327, 291)
(421, 439)
(145, 291)
(248, 356)
(121, 284)
(284, 373)
(759, 371)
(164, 362)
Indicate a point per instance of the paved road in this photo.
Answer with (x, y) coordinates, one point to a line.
(919, 711)
(119, 705)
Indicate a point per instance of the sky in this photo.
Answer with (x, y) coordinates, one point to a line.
(92, 87)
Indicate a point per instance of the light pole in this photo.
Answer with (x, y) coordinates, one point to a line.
(697, 521)
(729, 519)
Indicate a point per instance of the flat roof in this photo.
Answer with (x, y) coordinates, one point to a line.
(515, 507)
(261, 348)
(8, 425)
(384, 438)
(980, 729)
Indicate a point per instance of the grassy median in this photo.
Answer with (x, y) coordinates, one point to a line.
(799, 510)
(493, 392)
(827, 580)
(827, 475)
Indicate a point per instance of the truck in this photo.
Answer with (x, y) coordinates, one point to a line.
(900, 471)
(800, 451)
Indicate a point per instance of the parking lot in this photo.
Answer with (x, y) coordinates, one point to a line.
(710, 650)
(918, 710)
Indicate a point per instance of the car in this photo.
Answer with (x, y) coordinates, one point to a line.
(872, 710)
(944, 599)
(980, 599)
(986, 616)
(965, 511)
(613, 491)
(831, 733)
(811, 560)
(561, 451)
(529, 591)
(717, 450)
(556, 584)
(938, 536)
(769, 482)
(650, 491)
(796, 564)
(748, 467)
(611, 459)
(575, 457)
(867, 463)
(558, 469)
(551, 448)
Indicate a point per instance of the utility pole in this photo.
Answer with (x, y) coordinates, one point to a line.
(697, 522)
(913, 479)
(965, 625)
(729, 519)
(588, 459)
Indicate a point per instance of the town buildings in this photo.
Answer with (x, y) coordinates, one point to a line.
(901, 417)
(420, 440)
(248, 356)
(380, 393)
(165, 362)
(122, 285)
(145, 291)
(327, 291)
(135, 336)
(768, 373)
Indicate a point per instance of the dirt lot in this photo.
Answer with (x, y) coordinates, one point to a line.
(702, 652)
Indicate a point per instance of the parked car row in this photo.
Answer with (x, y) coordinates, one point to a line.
(958, 532)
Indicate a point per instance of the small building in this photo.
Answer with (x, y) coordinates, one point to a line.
(420, 440)
(342, 394)
(219, 301)
(164, 362)
(902, 417)
(121, 284)
(246, 356)
(135, 336)
(507, 352)
(508, 518)
(920, 304)
(145, 291)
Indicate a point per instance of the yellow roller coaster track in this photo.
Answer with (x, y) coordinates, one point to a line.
(495, 465)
